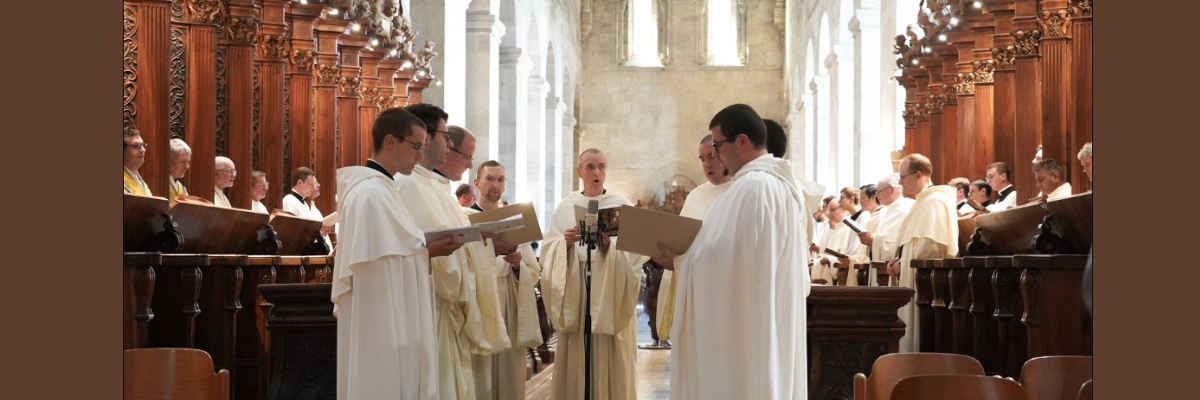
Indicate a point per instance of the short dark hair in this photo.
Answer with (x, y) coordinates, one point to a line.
(869, 191)
(1002, 168)
(852, 193)
(963, 186)
(1049, 166)
(394, 121)
(984, 186)
(301, 175)
(462, 190)
(740, 119)
(429, 114)
(488, 163)
(126, 134)
(777, 140)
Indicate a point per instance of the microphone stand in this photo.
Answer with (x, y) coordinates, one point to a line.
(589, 240)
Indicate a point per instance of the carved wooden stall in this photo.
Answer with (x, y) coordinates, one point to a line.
(992, 80)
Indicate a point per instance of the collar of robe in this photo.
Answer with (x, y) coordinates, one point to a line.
(602, 192)
(1004, 193)
(476, 207)
(855, 216)
(372, 164)
(296, 195)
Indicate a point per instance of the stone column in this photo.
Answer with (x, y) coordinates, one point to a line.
(325, 105)
(482, 106)
(349, 83)
(552, 160)
(242, 30)
(272, 50)
(824, 159)
(444, 22)
(875, 142)
(847, 152)
(146, 39)
(302, 18)
(368, 105)
(514, 68)
(566, 175)
(534, 177)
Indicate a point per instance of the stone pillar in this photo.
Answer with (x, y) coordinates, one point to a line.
(566, 174)
(325, 106)
(242, 30)
(1081, 94)
(272, 50)
(514, 68)
(533, 177)
(444, 22)
(146, 38)
(552, 160)
(823, 161)
(482, 106)
(875, 141)
(368, 105)
(847, 152)
(302, 18)
(1029, 86)
(349, 83)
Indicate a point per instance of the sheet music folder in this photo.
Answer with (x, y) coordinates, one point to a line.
(642, 229)
(530, 232)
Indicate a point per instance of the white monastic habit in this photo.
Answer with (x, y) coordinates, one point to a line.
(1061, 191)
(1008, 198)
(836, 238)
(964, 208)
(297, 205)
(616, 280)
(697, 204)
(858, 252)
(502, 375)
(257, 206)
(930, 231)
(386, 343)
(219, 198)
(887, 231)
(739, 309)
(468, 315)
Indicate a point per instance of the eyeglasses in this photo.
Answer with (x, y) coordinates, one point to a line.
(228, 171)
(445, 132)
(469, 158)
(908, 174)
(718, 143)
(138, 146)
(416, 146)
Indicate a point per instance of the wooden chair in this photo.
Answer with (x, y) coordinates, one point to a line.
(957, 387)
(1085, 392)
(1055, 377)
(891, 368)
(176, 374)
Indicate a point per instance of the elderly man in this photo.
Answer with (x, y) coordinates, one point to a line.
(998, 177)
(181, 160)
(258, 191)
(616, 277)
(739, 332)
(887, 230)
(1085, 159)
(134, 156)
(226, 173)
(1049, 177)
(386, 341)
(469, 320)
(502, 376)
(698, 202)
(930, 231)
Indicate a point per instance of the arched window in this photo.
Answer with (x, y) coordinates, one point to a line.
(724, 32)
(643, 34)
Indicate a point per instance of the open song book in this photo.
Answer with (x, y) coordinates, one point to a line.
(466, 234)
(514, 224)
(643, 229)
(609, 217)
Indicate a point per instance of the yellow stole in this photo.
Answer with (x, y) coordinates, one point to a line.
(135, 185)
(176, 189)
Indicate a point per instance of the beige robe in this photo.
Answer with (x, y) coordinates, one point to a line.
(502, 375)
(219, 198)
(468, 315)
(1061, 191)
(697, 204)
(616, 280)
(386, 341)
(930, 231)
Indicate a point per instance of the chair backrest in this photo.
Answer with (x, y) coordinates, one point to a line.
(1085, 392)
(177, 374)
(957, 387)
(1055, 377)
(891, 368)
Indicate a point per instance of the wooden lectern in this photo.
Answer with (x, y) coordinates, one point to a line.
(148, 226)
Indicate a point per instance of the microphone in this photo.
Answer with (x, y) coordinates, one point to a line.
(593, 211)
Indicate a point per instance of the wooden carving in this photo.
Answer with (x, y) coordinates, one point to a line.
(348, 86)
(205, 11)
(982, 70)
(1081, 8)
(255, 106)
(177, 9)
(300, 61)
(1055, 23)
(936, 101)
(222, 99)
(129, 72)
(1026, 41)
(1004, 56)
(910, 118)
(965, 83)
(384, 102)
(369, 95)
(178, 68)
(241, 30)
(327, 74)
(272, 47)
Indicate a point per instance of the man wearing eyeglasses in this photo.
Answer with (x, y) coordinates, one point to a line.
(469, 320)
(224, 179)
(387, 344)
(134, 156)
(258, 192)
(930, 231)
(739, 327)
(502, 376)
(180, 162)
(883, 237)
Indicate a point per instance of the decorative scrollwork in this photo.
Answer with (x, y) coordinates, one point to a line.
(178, 68)
(177, 9)
(936, 101)
(255, 106)
(300, 61)
(206, 11)
(910, 118)
(384, 102)
(348, 87)
(1026, 42)
(983, 69)
(327, 74)
(1081, 8)
(965, 83)
(951, 92)
(287, 129)
(129, 71)
(369, 95)
(1055, 22)
(242, 30)
(1004, 56)
(272, 47)
(222, 100)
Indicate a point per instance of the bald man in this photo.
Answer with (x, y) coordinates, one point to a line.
(226, 173)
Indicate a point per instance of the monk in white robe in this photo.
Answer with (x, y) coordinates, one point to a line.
(998, 177)
(883, 236)
(1049, 177)
(854, 249)
(930, 231)
(468, 316)
(837, 238)
(739, 326)
(299, 200)
(225, 174)
(382, 298)
(616, 280)
(696, 206)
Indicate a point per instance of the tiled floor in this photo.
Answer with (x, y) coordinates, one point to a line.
(653, 374)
